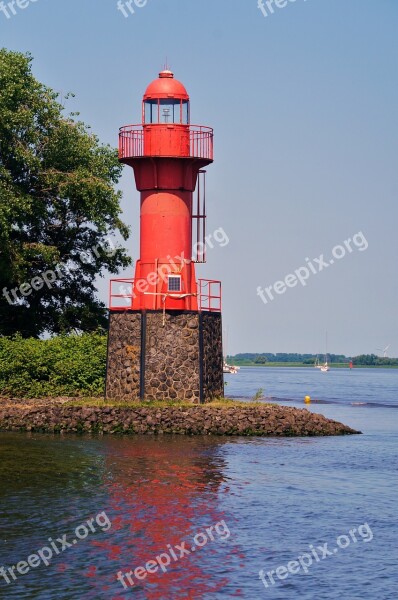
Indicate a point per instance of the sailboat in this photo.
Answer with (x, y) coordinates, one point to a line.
(232, 369)
(325, 367)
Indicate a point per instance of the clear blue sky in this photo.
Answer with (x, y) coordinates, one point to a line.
(304, 107)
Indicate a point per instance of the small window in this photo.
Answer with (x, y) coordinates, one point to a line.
(174, 283)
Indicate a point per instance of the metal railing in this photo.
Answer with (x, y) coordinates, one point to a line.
(201, 141)
(209, 295)
(199, 247)
(131, 141)
(121, 294)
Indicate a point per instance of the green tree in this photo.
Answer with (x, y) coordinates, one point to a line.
(261, 359)
(365, 360)
(58, 206)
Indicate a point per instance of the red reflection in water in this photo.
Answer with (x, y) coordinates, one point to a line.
(162, 491)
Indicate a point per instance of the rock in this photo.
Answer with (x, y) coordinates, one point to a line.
(53, 416)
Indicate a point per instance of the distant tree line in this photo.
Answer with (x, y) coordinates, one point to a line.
(370, 360)
(286, 357)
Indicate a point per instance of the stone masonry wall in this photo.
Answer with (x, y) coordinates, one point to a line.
(213, 378)
(171, 365)
(124, 353)
(172, 357)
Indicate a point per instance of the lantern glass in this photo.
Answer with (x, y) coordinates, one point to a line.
(185, 112)
(169, 111)
(151, 111)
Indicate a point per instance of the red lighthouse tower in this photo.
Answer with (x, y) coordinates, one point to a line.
(175, 318)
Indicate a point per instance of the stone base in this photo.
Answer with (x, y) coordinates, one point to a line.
(156, 356)
(53, 415)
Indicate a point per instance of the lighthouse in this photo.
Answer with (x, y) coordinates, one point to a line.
(165, 327)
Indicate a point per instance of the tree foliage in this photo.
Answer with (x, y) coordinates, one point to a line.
(62, 366)
(371, 360)
(363, 360)
(57, 203)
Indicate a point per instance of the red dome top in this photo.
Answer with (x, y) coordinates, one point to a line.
(166, 87)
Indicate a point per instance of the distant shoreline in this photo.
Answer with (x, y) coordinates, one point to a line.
(301, 365)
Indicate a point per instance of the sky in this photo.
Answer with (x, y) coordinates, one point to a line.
(303, 99)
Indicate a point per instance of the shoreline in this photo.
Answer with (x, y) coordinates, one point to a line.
(300, 365)
(61, 416)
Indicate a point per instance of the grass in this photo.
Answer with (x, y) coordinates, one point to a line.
(217, 403)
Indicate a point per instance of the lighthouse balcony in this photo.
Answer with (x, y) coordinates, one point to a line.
(166, 140)
(123, 291)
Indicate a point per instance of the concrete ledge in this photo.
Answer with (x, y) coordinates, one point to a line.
(55, 416)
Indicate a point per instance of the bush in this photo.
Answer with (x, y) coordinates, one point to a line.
(72, 365)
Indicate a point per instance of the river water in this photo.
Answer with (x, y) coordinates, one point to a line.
(219, 510)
